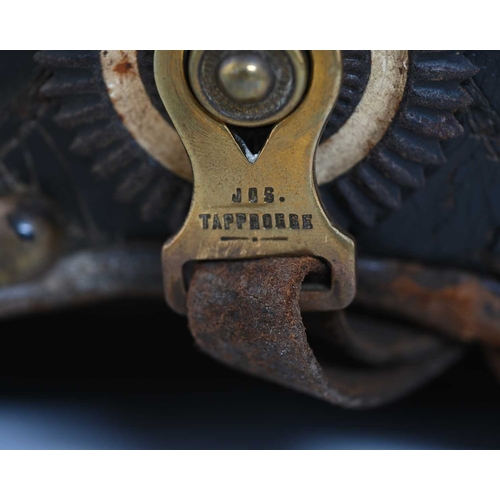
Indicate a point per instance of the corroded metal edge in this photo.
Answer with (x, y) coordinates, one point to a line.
(335, 156)
(145, 124)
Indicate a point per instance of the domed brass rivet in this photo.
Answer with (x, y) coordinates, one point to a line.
(245, 78)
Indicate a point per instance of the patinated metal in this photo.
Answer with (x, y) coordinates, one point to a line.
(128, 96)
(245, 78)
(339, 153)
(431, 293)
(256, 206)
(383, 138)
(248, 88)
(371, 118)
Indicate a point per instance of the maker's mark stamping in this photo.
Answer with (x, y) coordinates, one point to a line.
(252, 220)
(244, 209)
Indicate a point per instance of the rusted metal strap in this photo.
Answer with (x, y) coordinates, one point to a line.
(246, 314)
(464, 306)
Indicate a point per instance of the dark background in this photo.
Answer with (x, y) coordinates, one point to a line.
(126, 375)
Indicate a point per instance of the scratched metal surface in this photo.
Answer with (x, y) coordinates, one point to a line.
(454, 221)
(460, 198)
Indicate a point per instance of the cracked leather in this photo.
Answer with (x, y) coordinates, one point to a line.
(246, 314)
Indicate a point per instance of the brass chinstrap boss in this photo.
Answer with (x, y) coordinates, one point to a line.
(249, 204)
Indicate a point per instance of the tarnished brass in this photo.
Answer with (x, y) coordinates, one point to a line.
(248, 88)
(249, 208)
(336, 156)
(245, 78)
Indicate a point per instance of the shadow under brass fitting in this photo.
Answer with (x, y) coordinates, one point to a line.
(250, 88)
